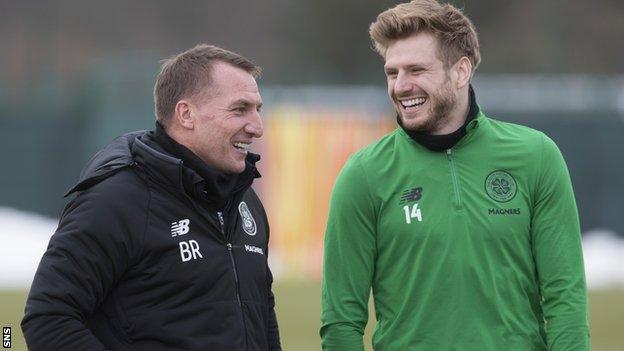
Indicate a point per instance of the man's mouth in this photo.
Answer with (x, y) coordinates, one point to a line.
(242, 147)
(412, 103)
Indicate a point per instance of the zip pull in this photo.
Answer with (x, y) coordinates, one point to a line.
(448, 152)
(229, 246)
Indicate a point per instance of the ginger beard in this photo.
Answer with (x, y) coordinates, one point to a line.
(439, 106)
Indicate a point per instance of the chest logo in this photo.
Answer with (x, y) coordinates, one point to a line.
(180, 227)
(411, 211)
(500, 186)
(249, 224)
(409, 195)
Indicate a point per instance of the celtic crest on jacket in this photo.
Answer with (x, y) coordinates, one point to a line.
(501, 186)
(249, 224)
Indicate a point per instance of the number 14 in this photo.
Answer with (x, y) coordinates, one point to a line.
(414, 213)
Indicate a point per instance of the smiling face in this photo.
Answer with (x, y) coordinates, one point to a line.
(423, 91)
(220, 122)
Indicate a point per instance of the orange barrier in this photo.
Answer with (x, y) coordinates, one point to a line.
(302, 153)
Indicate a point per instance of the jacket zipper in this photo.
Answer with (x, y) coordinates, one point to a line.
(229, 248)
(449, 155)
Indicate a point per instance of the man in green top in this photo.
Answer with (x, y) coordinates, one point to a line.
(465, 227)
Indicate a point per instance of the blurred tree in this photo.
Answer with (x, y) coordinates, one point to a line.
(297, 42)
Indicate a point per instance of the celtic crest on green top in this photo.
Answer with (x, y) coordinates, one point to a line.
(500, 186)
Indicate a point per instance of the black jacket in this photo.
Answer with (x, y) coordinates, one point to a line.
(141, 261)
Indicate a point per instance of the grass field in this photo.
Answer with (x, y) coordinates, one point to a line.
(298, 315)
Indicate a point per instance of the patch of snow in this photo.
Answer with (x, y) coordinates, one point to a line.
(24, 238)
(603, 251)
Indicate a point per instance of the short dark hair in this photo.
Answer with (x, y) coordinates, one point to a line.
(184, 74)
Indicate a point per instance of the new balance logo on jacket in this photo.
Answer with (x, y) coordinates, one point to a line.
(180, 228)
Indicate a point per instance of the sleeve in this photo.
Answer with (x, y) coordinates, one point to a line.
(273, 329)
(349, 260)
(273, 336)
(557, 250)
(86, 255)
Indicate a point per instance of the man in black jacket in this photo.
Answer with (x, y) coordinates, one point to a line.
(164, 246)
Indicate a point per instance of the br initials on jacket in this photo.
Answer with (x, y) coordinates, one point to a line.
(189, 250)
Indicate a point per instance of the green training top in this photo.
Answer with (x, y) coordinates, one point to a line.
(475, 248)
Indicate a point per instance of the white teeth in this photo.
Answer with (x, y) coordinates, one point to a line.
(244, 146)
(413, 102)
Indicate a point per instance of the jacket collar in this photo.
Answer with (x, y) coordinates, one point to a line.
(140, 150)
(198, 178)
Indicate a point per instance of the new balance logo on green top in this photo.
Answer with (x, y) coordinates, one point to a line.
(409, 195)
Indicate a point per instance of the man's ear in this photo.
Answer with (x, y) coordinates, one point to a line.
(183, 114)
(463, 72)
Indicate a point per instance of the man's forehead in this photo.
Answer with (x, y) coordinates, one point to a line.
(407, 61)
(227, 73)
(243, 88)
(232, 88)
(417, 49)
(248, 97)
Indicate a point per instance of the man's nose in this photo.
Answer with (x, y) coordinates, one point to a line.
(254, 127)
(402, 83)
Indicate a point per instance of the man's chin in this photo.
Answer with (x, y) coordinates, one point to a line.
(414, 124)
(239, 169)
(234, 171)
(231, 168)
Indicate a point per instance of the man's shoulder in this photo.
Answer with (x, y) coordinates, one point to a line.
(117, 206)
(126, 179)
(359, 169)
(125, 190)
(251, 198)
(377, 151)
(523, 135)
(513, 128)
(521, 142)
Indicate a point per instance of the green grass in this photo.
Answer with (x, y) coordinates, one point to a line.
(11, 312)
(606, 320)
(298, 314)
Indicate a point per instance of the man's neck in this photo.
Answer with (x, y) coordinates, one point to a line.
(457, 116)
(179, 137)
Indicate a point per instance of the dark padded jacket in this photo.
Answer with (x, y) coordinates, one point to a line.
(140, 261)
